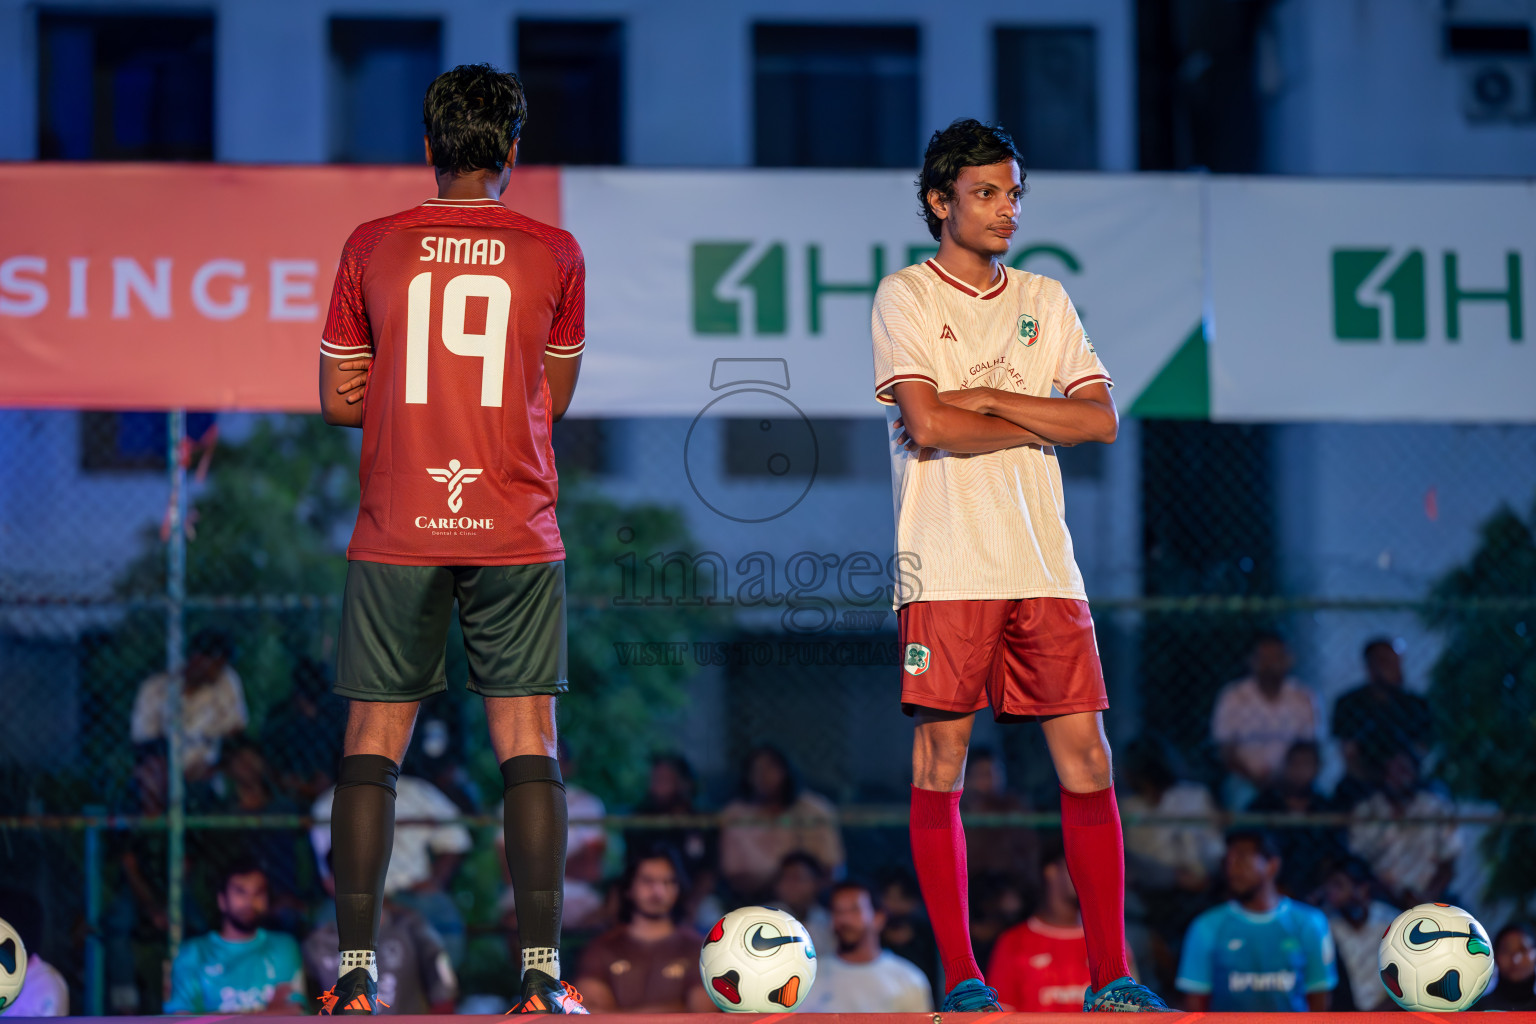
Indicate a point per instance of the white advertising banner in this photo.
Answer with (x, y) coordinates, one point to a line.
(757, 285)
(1371, 300)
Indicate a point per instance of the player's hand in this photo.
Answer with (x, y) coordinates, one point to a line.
(970, 399)
(902, 437)
(354, 387)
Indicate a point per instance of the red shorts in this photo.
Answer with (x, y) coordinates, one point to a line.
(1026, 657)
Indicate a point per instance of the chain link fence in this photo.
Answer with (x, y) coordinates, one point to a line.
(696, 633)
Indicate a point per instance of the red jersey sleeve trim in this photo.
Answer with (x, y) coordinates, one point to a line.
(1091, 379)
(883, 388)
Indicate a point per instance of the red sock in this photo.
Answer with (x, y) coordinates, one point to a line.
(1090, 826)
(938, 851)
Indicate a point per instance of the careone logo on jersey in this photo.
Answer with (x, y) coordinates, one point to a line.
(456, 476)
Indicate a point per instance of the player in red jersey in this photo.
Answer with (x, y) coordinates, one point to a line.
(454, 340)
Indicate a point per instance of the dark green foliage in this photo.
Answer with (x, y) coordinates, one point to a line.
(1483, 690)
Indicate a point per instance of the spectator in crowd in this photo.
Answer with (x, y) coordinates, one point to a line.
(995, 908)
(415, 973)
(994, 852)
(44, 993)
(649, 962)
(859, 976)
(1377, 719)
(1169, 868)
(1304, 850)
(1357, 920)
(1257, 718)
(241, 967)
(244, 785)
(301, 733)
(1260, 952)
(752, 841)
(907, 932)
(212, 704)
(423, 858)
(797, 889)
(1514, 951)
(1415, 861)
(673, 789)
(1041, 965)
(434, 755)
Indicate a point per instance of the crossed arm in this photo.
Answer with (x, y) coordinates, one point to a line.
(975, 420)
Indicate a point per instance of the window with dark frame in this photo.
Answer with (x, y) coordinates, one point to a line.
(573, 75)
(379, 72)
(1047, 95)
(125, 87)
(836, 95)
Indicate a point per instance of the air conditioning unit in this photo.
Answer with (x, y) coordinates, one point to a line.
(1498, 91)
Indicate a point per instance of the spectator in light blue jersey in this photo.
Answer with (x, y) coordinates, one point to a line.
(242, 967)
(1259, 952)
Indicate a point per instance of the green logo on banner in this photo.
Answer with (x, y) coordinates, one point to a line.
(1370, 282)
(715, 263)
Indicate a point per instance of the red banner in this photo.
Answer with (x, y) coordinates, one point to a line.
(155, 286)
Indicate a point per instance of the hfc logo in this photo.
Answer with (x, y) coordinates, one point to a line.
(1380, 293)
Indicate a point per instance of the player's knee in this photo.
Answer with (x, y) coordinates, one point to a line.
(938, 764)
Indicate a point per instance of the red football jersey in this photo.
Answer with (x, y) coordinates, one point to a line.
(1037, 967)
(457, 302)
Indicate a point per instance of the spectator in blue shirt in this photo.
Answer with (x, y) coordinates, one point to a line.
(1259, 952)
(242, 967)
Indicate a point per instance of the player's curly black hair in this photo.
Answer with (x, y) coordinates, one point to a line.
(967, 142)
(472, 115)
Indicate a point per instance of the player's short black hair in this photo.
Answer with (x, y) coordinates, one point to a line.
(1375, 642)
(473, 114)
(967, 142)
(803, 859)
(653, 851)
(858, 885)
(212, 643)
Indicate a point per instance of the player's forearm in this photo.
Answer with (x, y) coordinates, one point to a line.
(1066, 421)
(969, 433)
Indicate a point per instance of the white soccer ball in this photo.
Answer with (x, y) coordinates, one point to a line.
(1435, 957)
(758, 960)
(13, 964)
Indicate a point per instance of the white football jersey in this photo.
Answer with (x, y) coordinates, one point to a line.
(989, 526)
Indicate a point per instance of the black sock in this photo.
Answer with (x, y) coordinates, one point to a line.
(362, 834)
(536, 821)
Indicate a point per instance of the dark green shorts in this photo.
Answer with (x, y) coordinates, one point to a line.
(394, 629)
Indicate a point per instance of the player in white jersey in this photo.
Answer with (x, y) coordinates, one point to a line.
(990, 604)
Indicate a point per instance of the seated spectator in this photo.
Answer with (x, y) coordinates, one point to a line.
(302, 734)
(44, 993)
(673, 789)
(907, 932)
(586, 847)
(415, 974)
(859, 976)
(244, 785)
(991, 850)
(423, 858)
(1357, 920)
(753, 843)
(1041, 965)
(797, 889)
(1257, 718)
(434, 755)
(1259, 952)
(241, 967)
(1415, 861)
(1514, 951)
(1168, 868)
(1377, 719)
(1304, 850)
(212, 704)
(649, 963)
